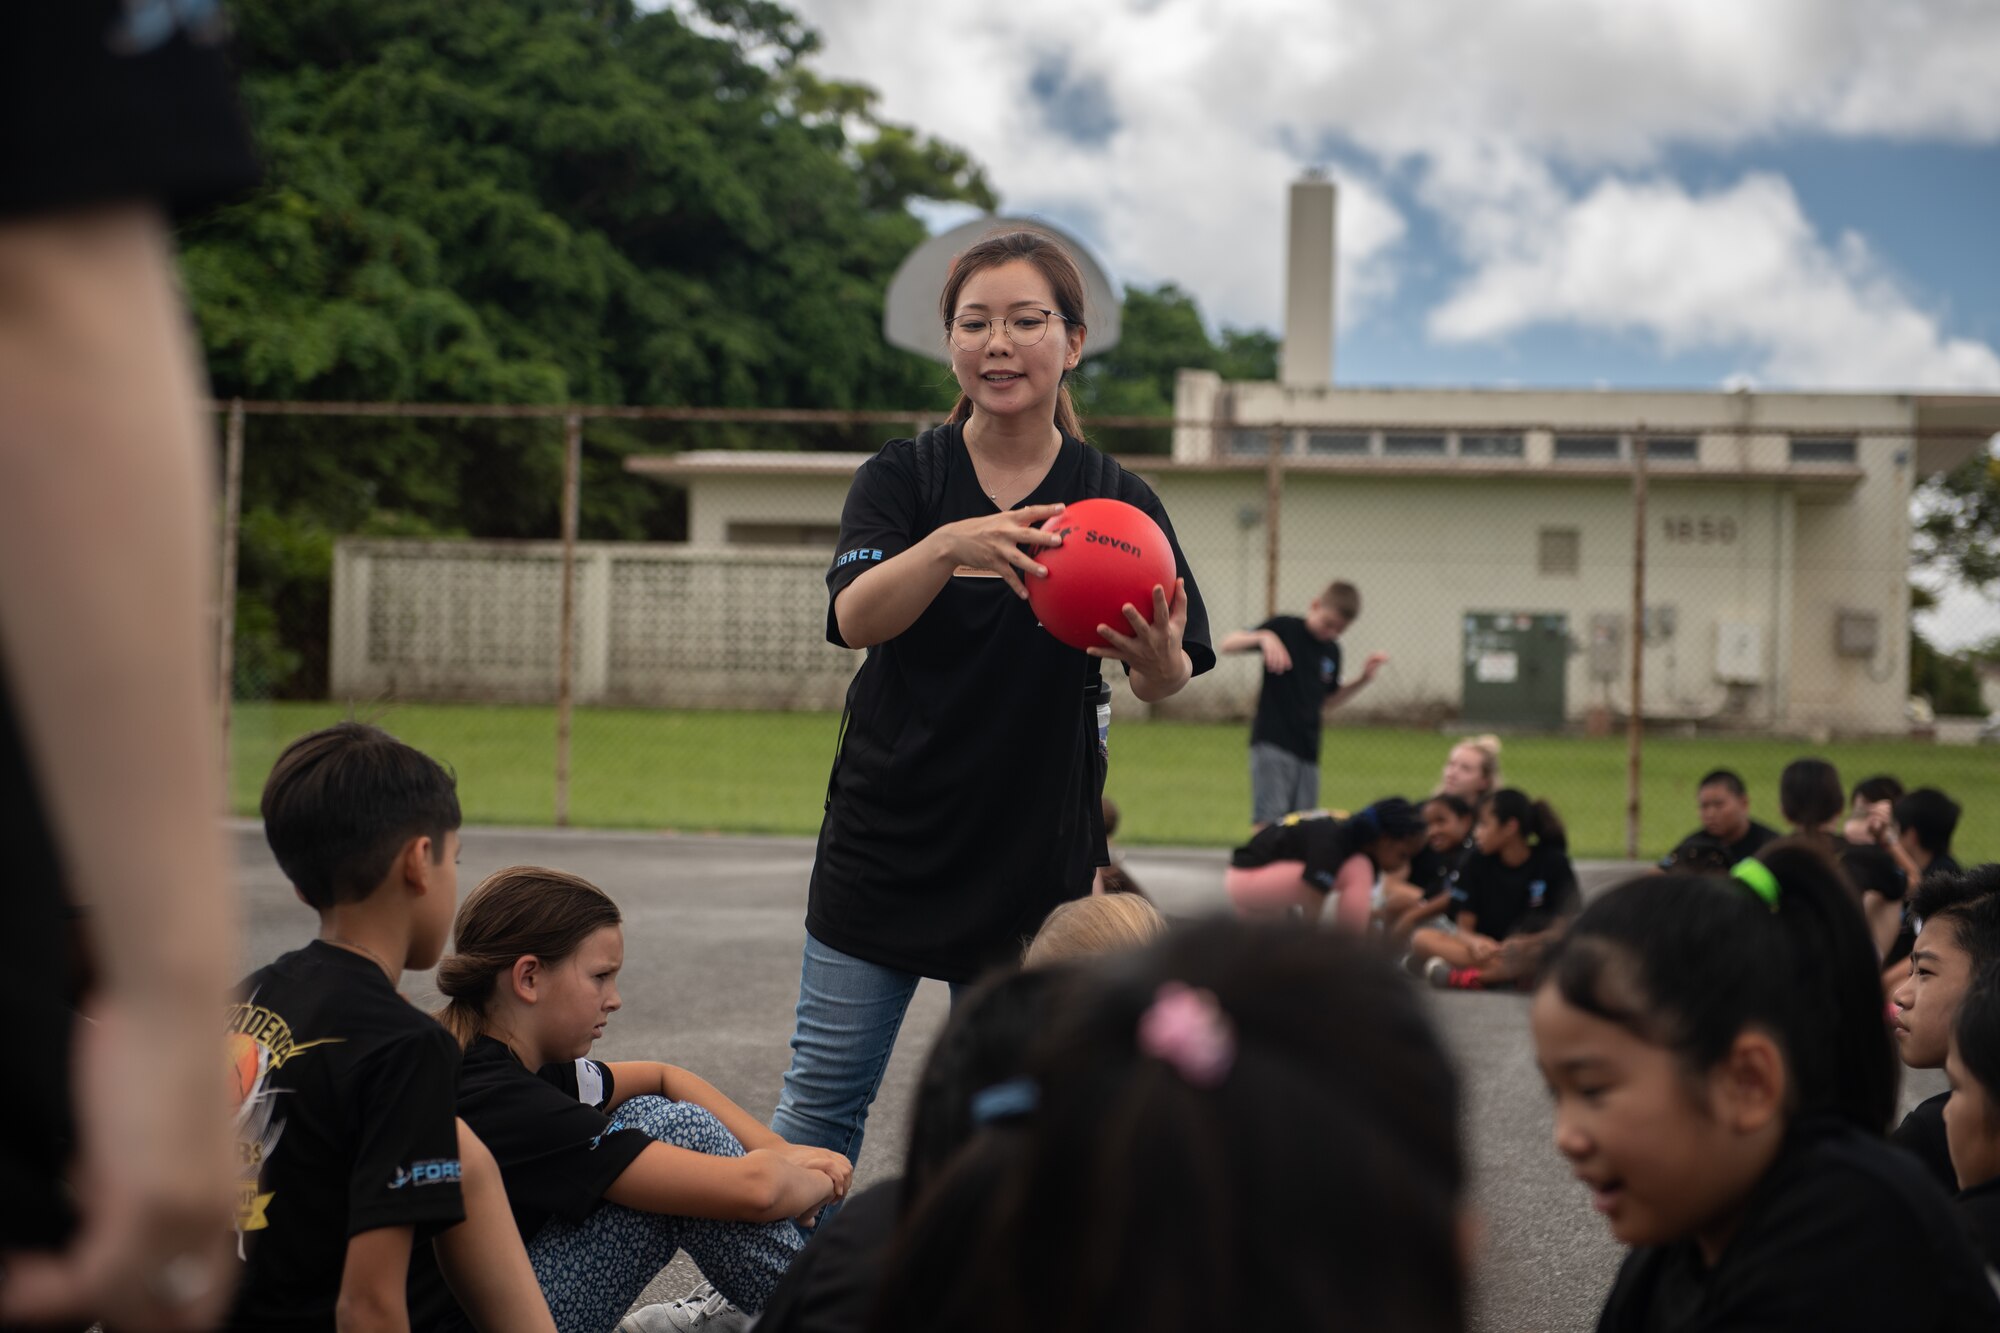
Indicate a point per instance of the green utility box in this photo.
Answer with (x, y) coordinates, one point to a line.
(1516, 664)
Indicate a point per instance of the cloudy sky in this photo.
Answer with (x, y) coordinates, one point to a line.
(1781, 193)
(1572, 192)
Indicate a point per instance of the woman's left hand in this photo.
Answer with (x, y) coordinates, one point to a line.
(1153, 649)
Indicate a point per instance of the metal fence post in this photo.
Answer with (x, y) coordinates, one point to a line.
(225, 607)
(1635, 720)
(566, 650)
(1274, 480)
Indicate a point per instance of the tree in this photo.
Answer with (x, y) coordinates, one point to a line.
(1162, 334)
(535, 201)
(1958, 530)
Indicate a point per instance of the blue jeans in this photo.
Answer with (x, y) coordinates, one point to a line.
(849, 1014)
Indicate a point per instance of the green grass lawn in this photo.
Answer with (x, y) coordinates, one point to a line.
(1177, 783)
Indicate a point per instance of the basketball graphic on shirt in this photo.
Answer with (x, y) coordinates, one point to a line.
(1112, 554)
(248, 1062)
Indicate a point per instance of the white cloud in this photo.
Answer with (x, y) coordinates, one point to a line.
(1200, 112)
(1740, 268)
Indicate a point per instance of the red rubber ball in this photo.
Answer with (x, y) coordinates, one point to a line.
(1112, 553)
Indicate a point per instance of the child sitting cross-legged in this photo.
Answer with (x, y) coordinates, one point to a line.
(1510, 901)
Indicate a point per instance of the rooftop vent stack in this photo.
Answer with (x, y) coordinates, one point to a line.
(1307, 359)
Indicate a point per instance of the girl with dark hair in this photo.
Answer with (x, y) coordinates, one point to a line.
(1215, 1143)
(1422, 895)
(1298, 863)
(609, 1168)
(1812, 801)
(1510, 901)
(1722, 1077)
(965, 799)
(972, 1081)
(1972, 1115)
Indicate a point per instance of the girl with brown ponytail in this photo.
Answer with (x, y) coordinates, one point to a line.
(965, 800)
(609, 1168)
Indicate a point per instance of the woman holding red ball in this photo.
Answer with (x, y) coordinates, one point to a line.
(964, 802)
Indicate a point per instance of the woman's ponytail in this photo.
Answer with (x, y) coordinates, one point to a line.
(1548, 827)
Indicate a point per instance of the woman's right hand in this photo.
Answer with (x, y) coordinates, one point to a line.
(994, 543)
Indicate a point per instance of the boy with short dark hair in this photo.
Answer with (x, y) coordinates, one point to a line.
(1925, 820)
(1958, 934)
(350, 1146)
(1301, 681)
(1727, 831)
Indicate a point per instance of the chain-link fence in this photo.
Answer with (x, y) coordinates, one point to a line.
(616, 617)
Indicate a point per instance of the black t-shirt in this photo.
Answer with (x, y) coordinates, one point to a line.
(1752, 842)
(103, 101)
(1922, 1135)
(1979, 1208)
(965, 802)
(1323, 842)
(346, 1125)
(1433, 872)
(546, 1130)
(1506, 900)
(36, 1133)
(1842, 1234)
(834, 1281)
(1289, 703)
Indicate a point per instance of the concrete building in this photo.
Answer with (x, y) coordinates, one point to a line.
(1492, 533)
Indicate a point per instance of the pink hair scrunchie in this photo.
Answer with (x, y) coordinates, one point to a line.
(1187, 1029)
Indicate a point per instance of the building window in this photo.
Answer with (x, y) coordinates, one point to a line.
(1337, 444)
(1588, 449)
(823, 535)
(1670, 448)
(1410, 444)
(1490, 446)
(1253, 442)
(1830, 450)
(1559, 551)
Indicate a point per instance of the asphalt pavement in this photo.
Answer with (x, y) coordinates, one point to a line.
(713, 931)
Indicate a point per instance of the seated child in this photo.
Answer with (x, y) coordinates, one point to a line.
(1724, 805)
(1425, 895)
(1721, 1076)
(1086, 927)
(1870, 809)
(1512, 898)
(1471, 769)
(610, 1168)
(972, 1083)
(1293, 866)
(1216, 1142)
(1958, 937)
(1972, 1116)
(1809, 797)
(351, 1149)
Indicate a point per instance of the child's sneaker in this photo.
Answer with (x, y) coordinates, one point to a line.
(704, 1309)
(1446, 977)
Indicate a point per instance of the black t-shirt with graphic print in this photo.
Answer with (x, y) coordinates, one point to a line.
(965, 802)
(345, 1124)
(546, 1130)
(1507, 900)
(1843, 1235)
(1290, 703)
(1323, 841)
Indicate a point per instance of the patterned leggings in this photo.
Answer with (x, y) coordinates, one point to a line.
(592, 1271)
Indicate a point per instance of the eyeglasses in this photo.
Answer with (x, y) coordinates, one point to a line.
(971, 333)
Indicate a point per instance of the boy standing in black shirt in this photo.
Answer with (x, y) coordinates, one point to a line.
(1301, 681)
(349, 1144)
